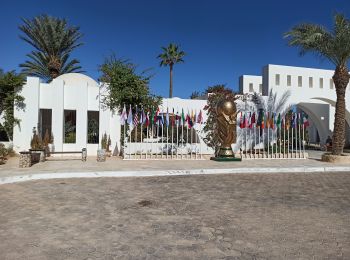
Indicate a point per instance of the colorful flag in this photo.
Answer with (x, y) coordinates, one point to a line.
(293, 121)
(305, 120)
(278, 122)
(262, 120)
(287, 121)
(155, 117)
(244, 122)
(200, 117)
(177, 118)
(241, 123)
(249, 120)
(258, 123)
(136, 117)
(123, 116)
(268, 120)
(194, 117)
(252, 121)
(167, 121)
(147, 119)
(143, 117)
(130, 119)
(182, 117)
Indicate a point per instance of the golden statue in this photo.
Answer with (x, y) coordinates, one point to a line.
(226, 121)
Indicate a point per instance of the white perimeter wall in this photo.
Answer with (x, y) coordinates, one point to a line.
(71, 91)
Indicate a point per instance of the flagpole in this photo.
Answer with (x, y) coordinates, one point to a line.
(167, 141)
(303, 140)
(263, 140)
(299, 118)
(162, 140)
(254, 141)
(200, 139)
(187, 139)
(268, 138)
(284, 137)
(182, 137)
(124, 142)
(172, 136)
(292, 143)
(259, 141)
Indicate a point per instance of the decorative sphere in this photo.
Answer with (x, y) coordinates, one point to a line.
(226, 107)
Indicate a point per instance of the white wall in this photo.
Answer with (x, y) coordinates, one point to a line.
(71, 91)
(246, 80)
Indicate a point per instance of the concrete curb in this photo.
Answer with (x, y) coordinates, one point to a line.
(150, 173)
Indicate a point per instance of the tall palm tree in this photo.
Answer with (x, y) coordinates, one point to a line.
(53, 40)
(335, 46)
(170, 56)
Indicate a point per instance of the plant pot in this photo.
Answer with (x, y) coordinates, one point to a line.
(38, 155)
(101, 155)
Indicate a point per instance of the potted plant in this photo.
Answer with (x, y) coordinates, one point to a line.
(46, 142)
(37, 147)
(108, 144)
(101, 153)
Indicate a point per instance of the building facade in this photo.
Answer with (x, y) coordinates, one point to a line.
(312, 91)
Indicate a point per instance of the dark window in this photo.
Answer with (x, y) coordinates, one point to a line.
(70, 120)
(3, 134)
(45, 122)
(93, 127)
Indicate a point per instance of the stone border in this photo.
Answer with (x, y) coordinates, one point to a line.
(155, 173)
(328, 157)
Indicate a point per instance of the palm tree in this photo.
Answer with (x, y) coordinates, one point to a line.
(53, 41)
(335, 46)
(170, 56)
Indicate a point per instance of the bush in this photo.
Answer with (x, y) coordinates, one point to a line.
(5, 153)
(36, 143)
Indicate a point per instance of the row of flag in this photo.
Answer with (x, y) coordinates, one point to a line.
(272, 120)
(154, 117)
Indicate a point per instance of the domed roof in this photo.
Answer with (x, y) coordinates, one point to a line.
(76, 78)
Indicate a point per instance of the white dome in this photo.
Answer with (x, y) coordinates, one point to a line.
(76, 78)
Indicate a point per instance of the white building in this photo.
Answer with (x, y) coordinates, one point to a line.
(68, 107)
(312, 91)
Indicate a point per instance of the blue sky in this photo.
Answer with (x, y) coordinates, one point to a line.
(223, 39)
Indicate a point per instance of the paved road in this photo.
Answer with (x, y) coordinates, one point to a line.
(270, 216)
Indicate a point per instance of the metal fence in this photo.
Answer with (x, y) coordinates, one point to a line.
(152, 133)
(266, 135)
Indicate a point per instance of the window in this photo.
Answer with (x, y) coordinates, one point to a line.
(321, 82)
(311, 82)
(93, 124)
(260, 88)
(251, 89)
(289, 80)
(45, 122)
(70, 120)
(277, 80)
(300, 81)
(331, 85)
(3, 134)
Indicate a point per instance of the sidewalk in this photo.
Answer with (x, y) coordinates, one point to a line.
(116, 167)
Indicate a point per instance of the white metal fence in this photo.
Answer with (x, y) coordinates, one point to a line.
(154, 134)
(265, 135)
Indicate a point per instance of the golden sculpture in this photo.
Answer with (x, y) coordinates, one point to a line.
(226, 121)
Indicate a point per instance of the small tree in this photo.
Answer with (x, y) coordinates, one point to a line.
(46, 140)
(10, 86)
(216, 94)
(36, 143)
(125, 86)
(104, 141)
